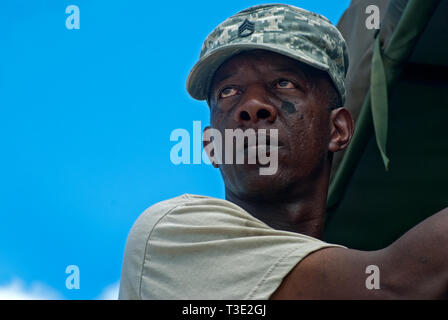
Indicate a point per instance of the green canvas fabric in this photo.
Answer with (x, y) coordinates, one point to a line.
(411, 25)
(378, 206)
(360, 48)
(402, 118)
(378, 101)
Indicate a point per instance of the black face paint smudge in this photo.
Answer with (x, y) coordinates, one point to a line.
(288, 107)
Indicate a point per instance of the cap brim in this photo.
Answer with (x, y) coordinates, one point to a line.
(201, 75)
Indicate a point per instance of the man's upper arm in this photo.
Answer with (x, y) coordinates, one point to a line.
(337, 273)
(413, 267)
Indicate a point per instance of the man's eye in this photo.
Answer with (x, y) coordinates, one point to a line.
(228, 92)
(285, 84)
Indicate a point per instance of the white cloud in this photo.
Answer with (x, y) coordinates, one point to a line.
(110, 292)
(17, 290)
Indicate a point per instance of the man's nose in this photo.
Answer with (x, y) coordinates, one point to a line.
(255, 106)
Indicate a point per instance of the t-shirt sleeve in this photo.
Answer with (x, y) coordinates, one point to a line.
(205, 248)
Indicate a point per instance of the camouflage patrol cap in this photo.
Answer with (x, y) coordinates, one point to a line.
(302, 35)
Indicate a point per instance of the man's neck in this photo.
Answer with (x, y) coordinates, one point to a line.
(302, 212)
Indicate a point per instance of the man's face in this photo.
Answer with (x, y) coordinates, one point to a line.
(264, 90)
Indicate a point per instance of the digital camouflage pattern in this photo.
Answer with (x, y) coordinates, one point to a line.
(288, 30)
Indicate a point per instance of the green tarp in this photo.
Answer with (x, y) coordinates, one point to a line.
(402, 118)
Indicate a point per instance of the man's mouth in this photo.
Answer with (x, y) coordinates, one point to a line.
(263, 141)
(260, 141)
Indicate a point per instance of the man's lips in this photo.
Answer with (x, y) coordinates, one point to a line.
(259, 140)
(266, 146)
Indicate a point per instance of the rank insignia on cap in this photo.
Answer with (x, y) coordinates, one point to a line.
(246, 28)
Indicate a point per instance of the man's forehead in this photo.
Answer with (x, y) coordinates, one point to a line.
(261, 60)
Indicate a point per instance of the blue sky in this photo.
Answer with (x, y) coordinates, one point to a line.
(86, 117)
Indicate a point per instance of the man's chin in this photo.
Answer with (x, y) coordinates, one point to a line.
(251, 184)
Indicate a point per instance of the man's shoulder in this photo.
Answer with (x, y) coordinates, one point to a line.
(165, 207)
(137, 243)
(190, 210)
(157, 213)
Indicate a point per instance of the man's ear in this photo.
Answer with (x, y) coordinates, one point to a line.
(208, 145)
(341, 129)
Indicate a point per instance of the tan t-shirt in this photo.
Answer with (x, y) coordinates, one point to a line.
(196, 247)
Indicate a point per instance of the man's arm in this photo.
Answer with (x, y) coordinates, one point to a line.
(413, 267)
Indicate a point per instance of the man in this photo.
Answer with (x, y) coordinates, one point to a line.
(273, 67)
